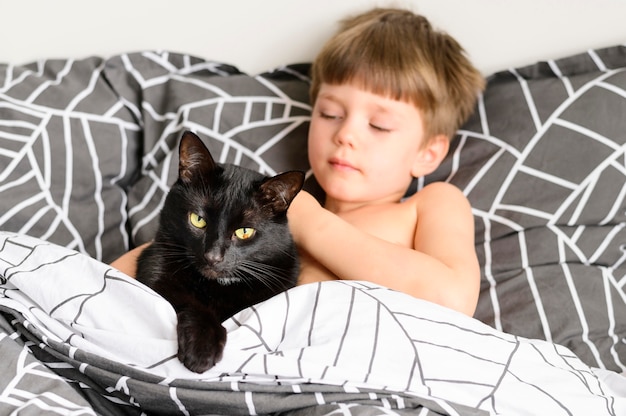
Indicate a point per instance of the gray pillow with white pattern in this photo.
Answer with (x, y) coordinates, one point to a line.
(543, 162)
(68, 150)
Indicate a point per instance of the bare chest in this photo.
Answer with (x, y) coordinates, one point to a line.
(391, 222)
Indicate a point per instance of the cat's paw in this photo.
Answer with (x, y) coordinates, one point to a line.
(201, 340)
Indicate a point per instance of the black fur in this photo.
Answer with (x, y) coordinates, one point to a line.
(208, 274)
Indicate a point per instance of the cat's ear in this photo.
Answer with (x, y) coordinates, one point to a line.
(194, 159)
(280, 190)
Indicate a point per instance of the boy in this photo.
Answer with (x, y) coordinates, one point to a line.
(388, 93)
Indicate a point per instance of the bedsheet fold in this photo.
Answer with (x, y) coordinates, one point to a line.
(337, 344)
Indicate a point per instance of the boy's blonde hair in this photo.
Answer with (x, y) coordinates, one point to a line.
(396, 53)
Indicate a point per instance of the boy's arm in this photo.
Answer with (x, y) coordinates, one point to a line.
(127, 263)
(441, 268)
(445, 232)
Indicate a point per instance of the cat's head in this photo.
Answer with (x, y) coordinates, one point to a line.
(231, 221)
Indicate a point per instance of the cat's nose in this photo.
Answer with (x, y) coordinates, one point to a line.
(213, 257)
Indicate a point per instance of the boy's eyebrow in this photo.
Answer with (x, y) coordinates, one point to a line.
(328, 96)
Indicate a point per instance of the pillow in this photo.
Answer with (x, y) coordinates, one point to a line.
(68, 149)
(543, 164)
(258, 122)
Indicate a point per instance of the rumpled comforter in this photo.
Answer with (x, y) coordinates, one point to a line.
(79, 337)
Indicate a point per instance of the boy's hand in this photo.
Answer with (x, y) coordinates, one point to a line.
(303, 210)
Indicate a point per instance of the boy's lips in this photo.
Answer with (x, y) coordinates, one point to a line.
(341, 164)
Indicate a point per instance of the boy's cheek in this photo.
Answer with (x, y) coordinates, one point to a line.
(315, 144)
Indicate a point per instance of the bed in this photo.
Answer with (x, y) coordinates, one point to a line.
(88, 151)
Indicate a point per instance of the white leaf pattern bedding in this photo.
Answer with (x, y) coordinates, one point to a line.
(352, 336)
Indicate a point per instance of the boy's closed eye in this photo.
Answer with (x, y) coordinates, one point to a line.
(329, 116)
(380, 127)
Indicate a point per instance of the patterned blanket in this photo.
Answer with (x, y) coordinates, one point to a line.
(78, 337)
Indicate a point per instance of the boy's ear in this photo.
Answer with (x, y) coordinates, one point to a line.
(429, 157)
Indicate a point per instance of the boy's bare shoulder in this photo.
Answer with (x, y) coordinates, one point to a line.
(439, 194)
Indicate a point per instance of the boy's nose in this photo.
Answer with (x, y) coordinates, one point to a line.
(346, 135)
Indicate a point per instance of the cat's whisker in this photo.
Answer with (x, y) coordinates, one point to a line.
(289, 254)
(184, 264)
(172, 246)
(271, 276)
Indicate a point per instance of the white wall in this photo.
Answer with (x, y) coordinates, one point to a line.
(256, 35)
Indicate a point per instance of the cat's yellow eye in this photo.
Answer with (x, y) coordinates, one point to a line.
(245, 233)
(197, 221)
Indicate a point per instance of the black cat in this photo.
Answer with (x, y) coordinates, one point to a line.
(222, 244)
